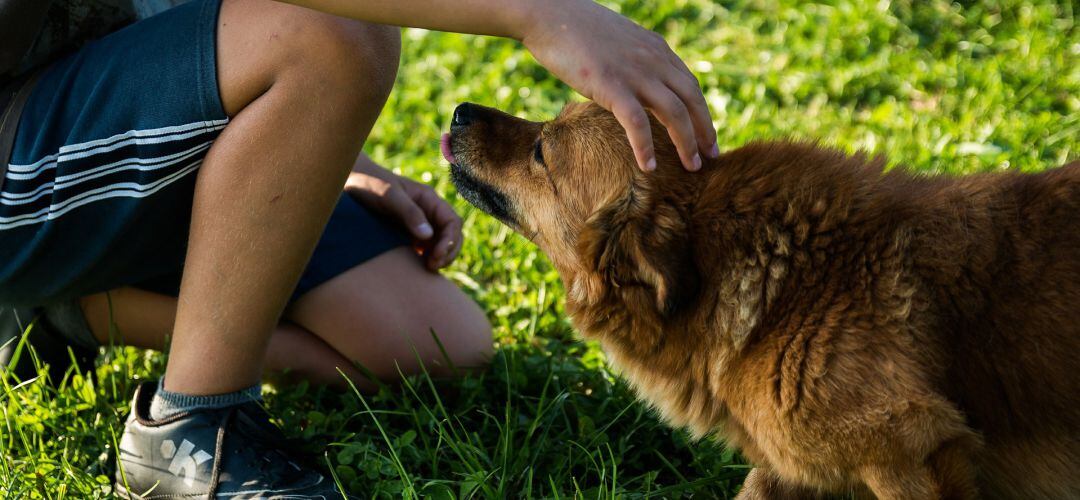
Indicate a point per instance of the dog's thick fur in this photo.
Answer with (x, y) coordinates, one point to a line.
(847, 328)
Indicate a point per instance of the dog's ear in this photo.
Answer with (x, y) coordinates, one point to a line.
(632, 242)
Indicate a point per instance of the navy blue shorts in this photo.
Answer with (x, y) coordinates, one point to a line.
(99, 190)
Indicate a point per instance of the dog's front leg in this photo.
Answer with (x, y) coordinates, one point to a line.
(913, 482)
(764, 484)
(948, 474)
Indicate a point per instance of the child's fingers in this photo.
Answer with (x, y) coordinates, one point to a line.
(631, 115)
(672, 112)
(410, 214)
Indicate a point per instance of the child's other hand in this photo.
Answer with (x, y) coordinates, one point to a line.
(433, 223)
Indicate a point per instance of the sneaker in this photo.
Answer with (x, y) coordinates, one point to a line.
(48, 342)
(232, 452)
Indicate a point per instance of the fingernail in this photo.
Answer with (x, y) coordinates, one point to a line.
(650, 165)
(424, 230)
(697, 162)
(714, 153)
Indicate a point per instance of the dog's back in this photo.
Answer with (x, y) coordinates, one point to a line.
(1005, 281)
(991, 263)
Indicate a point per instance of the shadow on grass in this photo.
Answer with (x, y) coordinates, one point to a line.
(545, 420)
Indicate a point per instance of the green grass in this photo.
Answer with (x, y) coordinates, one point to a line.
(939, 86)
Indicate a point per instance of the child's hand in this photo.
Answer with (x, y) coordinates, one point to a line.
(609, 59)
(626, 69)
(433, 223)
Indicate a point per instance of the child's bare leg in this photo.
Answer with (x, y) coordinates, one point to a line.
(375, 313)
(303, 90)
(382, 314)
(145, 319)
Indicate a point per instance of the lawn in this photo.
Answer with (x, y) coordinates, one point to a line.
(941, 87)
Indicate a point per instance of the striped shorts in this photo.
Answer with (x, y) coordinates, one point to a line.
(99, 189)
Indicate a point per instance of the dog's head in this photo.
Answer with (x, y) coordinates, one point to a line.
(571, 185)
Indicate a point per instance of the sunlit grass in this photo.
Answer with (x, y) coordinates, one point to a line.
(937, 86)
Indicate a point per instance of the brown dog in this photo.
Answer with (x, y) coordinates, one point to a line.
(849, 329)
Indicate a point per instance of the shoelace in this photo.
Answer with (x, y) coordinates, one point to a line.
(289, 449)
(215, 477)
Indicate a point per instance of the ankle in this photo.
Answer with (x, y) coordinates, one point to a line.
(166, 404)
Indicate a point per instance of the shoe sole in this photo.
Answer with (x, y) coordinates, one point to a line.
(122, 492)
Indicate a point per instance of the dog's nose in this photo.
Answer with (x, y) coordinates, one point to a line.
(462, 115)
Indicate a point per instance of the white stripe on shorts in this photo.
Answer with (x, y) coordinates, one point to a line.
(69, 181)
(95, 147)
(122, 190)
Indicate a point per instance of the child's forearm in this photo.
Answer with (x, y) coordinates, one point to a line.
(507, 18)
(604, 56)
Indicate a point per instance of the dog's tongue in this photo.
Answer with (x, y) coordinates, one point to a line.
(444, 145)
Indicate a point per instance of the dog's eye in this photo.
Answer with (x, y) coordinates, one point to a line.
(538, 153)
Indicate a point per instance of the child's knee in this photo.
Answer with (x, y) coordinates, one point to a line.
(326, 60)
(359, 59)
(464, 341)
